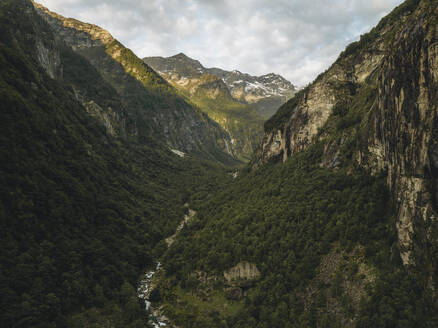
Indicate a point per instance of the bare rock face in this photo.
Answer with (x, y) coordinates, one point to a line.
(242, 274)
(46, 46)
(251, 89)
(311, 108)
(404, 127)
(49, 58)
(109, 118)
(398, 62)
(213, 97)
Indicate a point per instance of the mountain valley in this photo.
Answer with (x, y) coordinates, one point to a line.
(156, 192)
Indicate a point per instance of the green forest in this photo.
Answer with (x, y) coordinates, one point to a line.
(82, 213)
(285, 218)
(91, 190)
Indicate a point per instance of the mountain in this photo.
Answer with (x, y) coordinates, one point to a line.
(213, 96)
(152, 106)
(264, 93)
(334, 223)
(87, 192)
(367, 113)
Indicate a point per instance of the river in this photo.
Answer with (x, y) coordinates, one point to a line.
(155, 316)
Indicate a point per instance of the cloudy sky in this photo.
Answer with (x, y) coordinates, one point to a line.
(295, 38)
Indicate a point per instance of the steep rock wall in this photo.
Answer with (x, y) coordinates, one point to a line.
(403, 130)
(398, 61)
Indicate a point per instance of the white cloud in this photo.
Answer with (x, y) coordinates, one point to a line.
(295, 38)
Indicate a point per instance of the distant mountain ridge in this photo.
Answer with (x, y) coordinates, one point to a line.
(264, 93)
(210, 93)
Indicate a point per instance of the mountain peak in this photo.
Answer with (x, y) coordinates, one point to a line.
(181, 55)
(270, 75)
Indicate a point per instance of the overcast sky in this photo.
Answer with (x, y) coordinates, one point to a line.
(295, 38)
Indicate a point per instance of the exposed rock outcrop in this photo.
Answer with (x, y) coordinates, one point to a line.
(296, 124)
(242, 274)
(403, 126)
(240, 278)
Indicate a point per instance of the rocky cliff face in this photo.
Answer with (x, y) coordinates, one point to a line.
(296, 124)
(46, 49)
(148, 106)
(242, 271)
(376, 108)
(404, 127)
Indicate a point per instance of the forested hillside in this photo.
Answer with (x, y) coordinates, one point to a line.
(82, 209)
(154, 107)
(106, 183)
(324, 242)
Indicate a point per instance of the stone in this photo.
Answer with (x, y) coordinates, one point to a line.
(243, 274)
